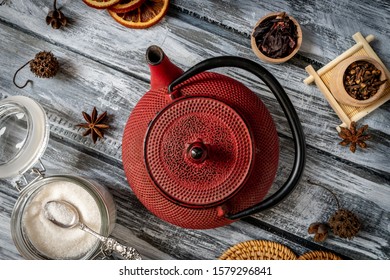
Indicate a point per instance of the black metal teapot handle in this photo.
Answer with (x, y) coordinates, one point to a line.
(288, 109)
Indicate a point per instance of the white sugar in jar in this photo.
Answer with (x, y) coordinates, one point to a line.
(38, 238)
(24, 135)
(52, 240)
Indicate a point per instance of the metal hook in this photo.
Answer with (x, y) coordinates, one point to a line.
(17, 71)
(38, 171)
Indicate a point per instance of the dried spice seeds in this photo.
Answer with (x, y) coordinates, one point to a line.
(362, 80)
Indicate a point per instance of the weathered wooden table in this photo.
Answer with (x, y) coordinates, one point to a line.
(103, 65)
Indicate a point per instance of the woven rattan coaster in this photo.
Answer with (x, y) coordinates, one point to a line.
(258, 250)
(319, 255)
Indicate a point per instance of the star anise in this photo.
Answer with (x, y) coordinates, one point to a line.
(94, 124)
(354, 137)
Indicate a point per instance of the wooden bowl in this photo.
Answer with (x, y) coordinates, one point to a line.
(337, 82)
(265, 58)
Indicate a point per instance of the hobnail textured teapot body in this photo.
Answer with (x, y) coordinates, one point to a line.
(198, 153)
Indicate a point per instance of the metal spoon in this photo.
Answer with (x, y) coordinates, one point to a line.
(65, 215)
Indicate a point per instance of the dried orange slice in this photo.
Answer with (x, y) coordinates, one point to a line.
(101, 4)
(126, 5)
(148, 14)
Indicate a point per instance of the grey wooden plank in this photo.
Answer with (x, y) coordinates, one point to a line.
(317, 117)
(61, 125)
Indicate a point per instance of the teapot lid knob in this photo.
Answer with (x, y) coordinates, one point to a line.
(197, 152)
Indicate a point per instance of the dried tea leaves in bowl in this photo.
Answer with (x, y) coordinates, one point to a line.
(276, 36)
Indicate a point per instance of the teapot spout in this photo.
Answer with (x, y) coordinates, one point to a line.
(162, 70)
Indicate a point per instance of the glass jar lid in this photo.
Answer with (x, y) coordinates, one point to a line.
(24, 134)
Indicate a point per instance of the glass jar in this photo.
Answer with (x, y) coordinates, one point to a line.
(25, 238)
(24, 134)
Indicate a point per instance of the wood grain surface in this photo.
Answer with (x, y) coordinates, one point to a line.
(103, 65)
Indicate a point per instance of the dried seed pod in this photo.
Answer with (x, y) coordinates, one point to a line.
(44, 65)
(344, 223)
(313, 228)
(320, 230)
(322, 233)
(56, 18)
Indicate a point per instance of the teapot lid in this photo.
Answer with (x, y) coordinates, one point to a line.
(24, 134)
(198, 151)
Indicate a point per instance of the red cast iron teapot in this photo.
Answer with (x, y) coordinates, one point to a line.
(200, 150)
